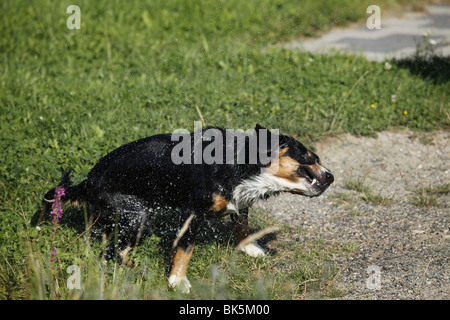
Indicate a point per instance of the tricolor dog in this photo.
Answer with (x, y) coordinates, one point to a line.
(203, 174)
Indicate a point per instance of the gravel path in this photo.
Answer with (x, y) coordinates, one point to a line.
(402, 249)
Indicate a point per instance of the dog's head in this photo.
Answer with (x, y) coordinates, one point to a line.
(295, 168)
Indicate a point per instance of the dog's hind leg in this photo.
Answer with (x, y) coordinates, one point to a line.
(127, 221)
(123, 254)
(133, 234)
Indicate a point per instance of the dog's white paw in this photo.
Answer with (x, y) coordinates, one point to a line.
(180, 283)
(254, 250)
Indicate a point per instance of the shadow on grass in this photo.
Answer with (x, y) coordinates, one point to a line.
(435, 68)
(165, 225)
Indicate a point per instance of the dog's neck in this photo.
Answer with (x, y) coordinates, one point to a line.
(257, 187)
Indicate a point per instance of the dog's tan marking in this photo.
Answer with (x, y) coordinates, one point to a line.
(123, 255)
(219, 203)
(316, 168)
(180, 261)
(284, 167)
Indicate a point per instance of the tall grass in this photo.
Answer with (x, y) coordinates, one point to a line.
(217, 270)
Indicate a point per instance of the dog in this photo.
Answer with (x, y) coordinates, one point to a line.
(126, 187)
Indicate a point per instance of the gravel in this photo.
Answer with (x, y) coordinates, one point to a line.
(402, 249)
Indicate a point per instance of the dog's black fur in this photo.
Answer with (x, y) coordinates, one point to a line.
(126, 186)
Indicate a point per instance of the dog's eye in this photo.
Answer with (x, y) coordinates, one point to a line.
(305, 171)
(310, 159)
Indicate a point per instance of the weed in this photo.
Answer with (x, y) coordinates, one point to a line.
(340, 198)
(357, 184)
(427, 196)
(368, 195)
(377, 199)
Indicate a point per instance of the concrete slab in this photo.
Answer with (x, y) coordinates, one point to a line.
(397, 38)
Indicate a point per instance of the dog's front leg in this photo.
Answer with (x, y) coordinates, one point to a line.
(240, 220)
(184, 245)
(180, 261)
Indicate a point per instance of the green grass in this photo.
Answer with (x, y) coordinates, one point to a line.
(427, 196)
(365, 193)
(137, 68)
(357, 184)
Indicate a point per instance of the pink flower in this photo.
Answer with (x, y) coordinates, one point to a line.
(56, 206)
(57, 214)
(53, 253)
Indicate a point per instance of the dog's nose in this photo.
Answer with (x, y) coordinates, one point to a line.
(329, 178)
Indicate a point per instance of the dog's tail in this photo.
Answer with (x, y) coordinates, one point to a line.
(75, 194)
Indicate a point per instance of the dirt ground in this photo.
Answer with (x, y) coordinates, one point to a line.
(401, 240)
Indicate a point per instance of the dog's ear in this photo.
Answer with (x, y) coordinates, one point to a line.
(263, 134)
(283, 142)
(268, 144)
(259, 127)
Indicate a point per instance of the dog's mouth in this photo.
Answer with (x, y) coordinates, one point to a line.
(313, 182)
(317, 188)
(316, 181)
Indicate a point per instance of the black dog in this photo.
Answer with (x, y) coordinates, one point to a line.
(127, 185)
